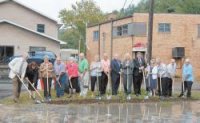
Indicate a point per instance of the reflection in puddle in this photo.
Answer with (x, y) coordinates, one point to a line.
(166, 112)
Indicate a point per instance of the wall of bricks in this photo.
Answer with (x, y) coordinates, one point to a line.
(184, 33)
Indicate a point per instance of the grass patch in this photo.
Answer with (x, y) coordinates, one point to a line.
(91, 98)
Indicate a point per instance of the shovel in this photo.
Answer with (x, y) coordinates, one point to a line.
(161, 97)
(145, 86)
(184, 91)
(109, 96)
(71, 90)
(36, 101)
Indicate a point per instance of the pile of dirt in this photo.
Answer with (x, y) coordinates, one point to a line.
(105, 101)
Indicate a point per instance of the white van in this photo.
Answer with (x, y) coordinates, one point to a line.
(66, 53)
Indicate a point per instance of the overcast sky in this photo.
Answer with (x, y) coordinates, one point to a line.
(52, 7)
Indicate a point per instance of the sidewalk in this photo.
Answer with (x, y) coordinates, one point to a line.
(6, 88)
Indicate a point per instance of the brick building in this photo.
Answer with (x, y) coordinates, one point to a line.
(171, 33)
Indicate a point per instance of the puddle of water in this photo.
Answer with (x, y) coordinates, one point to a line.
(182, 112)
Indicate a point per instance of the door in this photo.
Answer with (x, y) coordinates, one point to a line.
(5, 53)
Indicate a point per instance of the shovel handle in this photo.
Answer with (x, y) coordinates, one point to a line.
(34, 89)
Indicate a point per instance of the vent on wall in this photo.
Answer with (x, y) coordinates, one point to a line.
(178, 52)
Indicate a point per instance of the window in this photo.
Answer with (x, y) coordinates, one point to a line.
(136, 29)
(119, 31)
(198, 35)
(139, 29)
(125, 29)
(164, 27)
(122, 30)
(95, 35)
(41, 28)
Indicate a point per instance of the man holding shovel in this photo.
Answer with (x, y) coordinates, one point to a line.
(115, 74)
(61, 77)
(162, 78)
(17, 73)
(84, 74)
(171, 69)
(187, 78)
(138, 73)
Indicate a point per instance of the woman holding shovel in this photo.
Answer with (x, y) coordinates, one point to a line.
(72, 70)
(152, 76)
(127, 67)
(95, 72)
(46, 75)
(32, 75)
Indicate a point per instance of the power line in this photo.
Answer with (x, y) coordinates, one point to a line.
(131, 2)
(124, 4)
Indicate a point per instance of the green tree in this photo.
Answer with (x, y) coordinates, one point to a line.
(75, 21)
(169, 6)
(127, 11)
(189, 6)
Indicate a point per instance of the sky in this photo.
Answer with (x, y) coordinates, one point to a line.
(51, 8)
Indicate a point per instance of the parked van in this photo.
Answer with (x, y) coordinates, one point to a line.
(66, 53)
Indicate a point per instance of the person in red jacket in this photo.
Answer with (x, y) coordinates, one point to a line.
(72, 70)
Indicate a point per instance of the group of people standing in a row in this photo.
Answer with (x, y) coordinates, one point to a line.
(101, 75)
(70, 75)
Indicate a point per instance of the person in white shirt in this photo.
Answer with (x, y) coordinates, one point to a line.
(152, 76)
(18, 68)
(95, 73)
(171, 69)
(162, 75)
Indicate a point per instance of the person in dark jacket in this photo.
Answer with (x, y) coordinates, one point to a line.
(115, 74)
(32, 76)
(139, 65)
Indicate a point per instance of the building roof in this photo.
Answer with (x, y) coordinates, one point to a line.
(108, 21)
(30, 8)
(32, 31)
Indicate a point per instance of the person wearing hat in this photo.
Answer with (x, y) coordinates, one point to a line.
(72, 70)
(17, 72)
(46, 75)
(187, 74)
(61, 77)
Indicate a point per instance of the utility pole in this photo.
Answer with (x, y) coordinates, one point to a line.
(111, 41)
(99, 42)
(79, 46)
(150, 31)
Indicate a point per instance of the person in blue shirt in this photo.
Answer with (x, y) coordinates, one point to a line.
(187, 74)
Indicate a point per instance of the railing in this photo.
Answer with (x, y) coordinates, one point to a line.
(4, 60)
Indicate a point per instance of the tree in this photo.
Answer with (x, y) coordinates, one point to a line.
(127, 11)
(76, 20)
(169, 6)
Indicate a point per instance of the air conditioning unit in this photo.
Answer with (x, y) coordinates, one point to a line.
(178, 52)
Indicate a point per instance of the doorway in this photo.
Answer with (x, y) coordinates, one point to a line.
(5, 53)
(135, 53)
